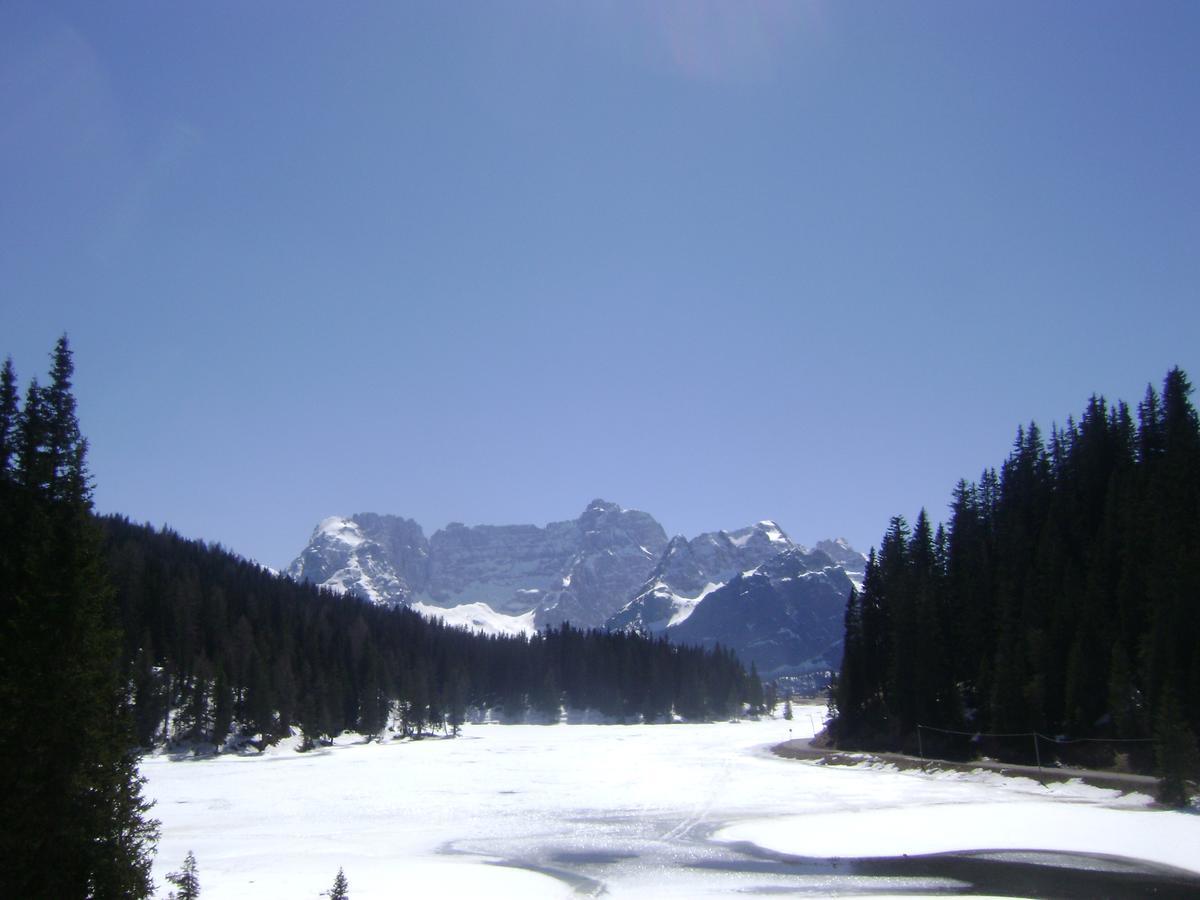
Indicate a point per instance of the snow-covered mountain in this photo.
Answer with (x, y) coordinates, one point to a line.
(690, 570)
(581, 570)
(382, 558)
(847, 557)
(785, 616)
(754, 589)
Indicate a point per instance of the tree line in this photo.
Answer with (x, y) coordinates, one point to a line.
(216, 646)
(1062, 597)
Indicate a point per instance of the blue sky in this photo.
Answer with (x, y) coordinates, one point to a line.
(484, 262)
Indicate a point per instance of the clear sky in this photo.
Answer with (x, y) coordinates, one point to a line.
(484, 262)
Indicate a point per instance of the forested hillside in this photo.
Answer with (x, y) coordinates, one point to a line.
(1061, 597)
(231, 647)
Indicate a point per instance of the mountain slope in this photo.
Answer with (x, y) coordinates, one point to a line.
(580, 570)
(690, 570)
(785, 616)
(847, 557)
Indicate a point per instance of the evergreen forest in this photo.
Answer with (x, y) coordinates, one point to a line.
(1062, 599)
(217, 646)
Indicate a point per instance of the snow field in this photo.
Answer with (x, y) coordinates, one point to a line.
(481, 618)
(1171, 839)
(639, 811)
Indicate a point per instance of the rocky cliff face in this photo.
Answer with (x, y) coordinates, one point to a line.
(847, 557)
(786, 616)
(382, 558)
(690, 570)
(581, 570)
(618, 547)
(508, 567)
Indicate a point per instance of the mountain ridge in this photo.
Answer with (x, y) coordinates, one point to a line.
(611, 568)
(567, 570)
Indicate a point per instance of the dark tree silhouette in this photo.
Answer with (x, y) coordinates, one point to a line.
(72, 819)
(340, 889)
(1060, 598)
(187, 880)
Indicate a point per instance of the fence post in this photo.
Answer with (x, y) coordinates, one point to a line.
(1037, 754)
(920, 745)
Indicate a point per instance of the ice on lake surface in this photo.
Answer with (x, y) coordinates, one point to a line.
(630, 811)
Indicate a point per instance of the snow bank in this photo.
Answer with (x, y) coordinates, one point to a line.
(1166, 837)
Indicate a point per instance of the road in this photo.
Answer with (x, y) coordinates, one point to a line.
(803, 749)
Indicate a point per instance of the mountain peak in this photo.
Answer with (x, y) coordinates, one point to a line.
(339, 528)
(579, 570)
(764, 533)
(845, 556)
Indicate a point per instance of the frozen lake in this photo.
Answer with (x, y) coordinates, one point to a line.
(644, 811)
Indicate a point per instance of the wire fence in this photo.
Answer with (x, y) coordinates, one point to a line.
(1038, 748)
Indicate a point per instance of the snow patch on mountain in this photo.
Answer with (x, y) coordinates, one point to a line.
(341, 530)
(765, 529)
(685, 606)
(481, 618)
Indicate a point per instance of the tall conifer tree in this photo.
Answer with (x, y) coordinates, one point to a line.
(72, 819)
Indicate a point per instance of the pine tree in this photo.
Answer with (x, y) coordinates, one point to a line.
(897, 603)
(1177, 758)
(72, 819)
(9, 410)
(1150, 426)
(186, 879)
(754, 691)
(340, 889)
(848, 693)
(222, 708)
(875, 649)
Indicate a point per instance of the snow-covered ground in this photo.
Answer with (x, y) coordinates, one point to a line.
(638, 811)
